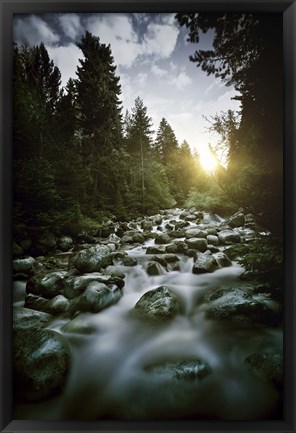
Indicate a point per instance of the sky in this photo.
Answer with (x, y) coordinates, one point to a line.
(152, 58)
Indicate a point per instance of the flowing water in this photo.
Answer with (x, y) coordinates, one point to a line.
(109, 379)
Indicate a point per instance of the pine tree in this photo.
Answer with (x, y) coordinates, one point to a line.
(138, 142)
(166, 144)
(98, 91)
(36, 83)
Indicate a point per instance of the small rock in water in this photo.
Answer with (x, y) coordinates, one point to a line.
(95, 298)
(23, 266)
(204, 263)
(93, 259)
(82, 324)
(236, 220)
(170, 258)
(57, 305)
(129, 261)
(267, 366)
(47, 286)
(65, 243)
(195, 233)
(154, 268)
(74, 286)
(162, 238)
(114, 271)
(213, 240)
(184, 370)
(222, 259)
(172, 248)
(227, 237)
(198, 244)
(155, 250)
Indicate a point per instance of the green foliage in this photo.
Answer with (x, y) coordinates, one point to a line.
(209, 197)
(262, 260)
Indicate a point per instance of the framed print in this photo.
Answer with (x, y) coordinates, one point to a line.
(147, 234)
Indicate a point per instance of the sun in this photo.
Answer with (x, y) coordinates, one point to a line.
(207, 160)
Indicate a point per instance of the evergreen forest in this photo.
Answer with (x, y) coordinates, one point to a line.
(79, 160)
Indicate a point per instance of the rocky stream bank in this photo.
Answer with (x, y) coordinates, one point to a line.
(145, 320)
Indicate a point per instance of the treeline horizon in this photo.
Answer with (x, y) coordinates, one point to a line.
(78, 159)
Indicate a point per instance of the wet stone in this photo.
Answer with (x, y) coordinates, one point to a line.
(184, 370)
(157, 304)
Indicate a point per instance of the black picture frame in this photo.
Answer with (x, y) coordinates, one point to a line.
(288, 10)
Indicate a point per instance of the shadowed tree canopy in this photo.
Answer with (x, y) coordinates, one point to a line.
(247, 53)
(36, 93)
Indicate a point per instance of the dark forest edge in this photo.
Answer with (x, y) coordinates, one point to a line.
(78, 161)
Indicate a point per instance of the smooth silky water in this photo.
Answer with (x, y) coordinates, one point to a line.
(108, 379)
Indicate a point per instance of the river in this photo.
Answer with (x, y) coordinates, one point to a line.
(109, 378)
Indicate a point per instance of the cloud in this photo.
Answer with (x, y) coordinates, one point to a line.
(141, 79)
(158, 72)
(215, 85)
(66, 59)
(142, 18)
(116, 30)
(157, 40)
(181, 80)
(33, 30)
(71, 25)
(160, 40)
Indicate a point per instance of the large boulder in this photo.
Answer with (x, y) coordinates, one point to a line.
(93, 259)
(96, 297)
(198, 244)
(204, 263)
(24, 318)
(48, 285)
(157, 304)
(41, 363)
(23, 266)
(182, 370)
(239, 305)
